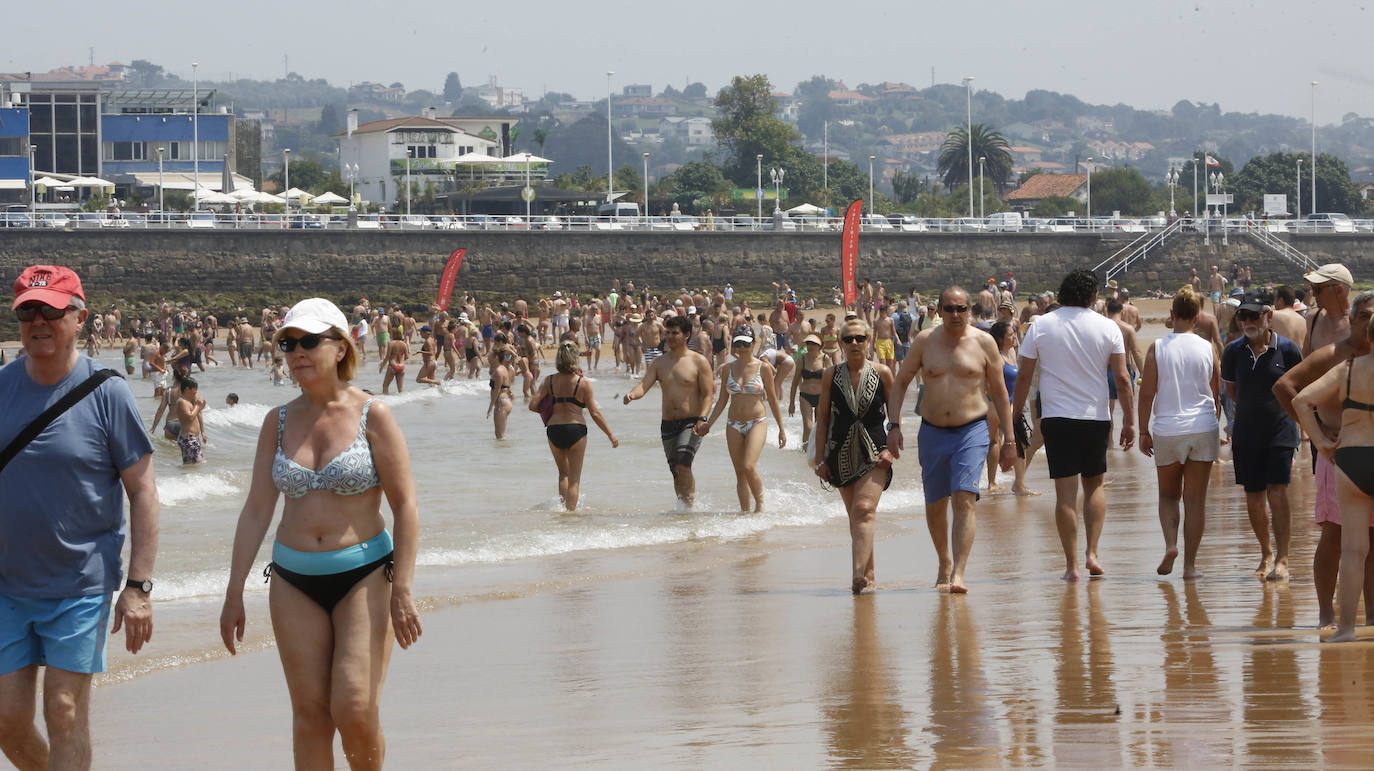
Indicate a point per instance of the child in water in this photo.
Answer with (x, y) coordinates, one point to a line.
(278, 372)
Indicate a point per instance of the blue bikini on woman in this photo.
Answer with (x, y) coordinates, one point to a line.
(326, 577)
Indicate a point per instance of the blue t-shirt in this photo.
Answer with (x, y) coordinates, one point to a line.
(1259, 418)
(61, 498)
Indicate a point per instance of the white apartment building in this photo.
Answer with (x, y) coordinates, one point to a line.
(380, 149)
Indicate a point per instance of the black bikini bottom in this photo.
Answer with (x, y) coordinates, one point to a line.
(327, 590)
(1358, 464)
(565, 435)
(812, 399)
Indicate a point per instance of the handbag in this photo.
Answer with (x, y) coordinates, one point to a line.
(36, 426)
(546, 404)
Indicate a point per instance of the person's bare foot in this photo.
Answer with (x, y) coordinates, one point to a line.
(1191, 575)
(1279, 573)
(942, 578)
(859, 585)
(1341, 635)
(995, 489)
(1166, 565)
(1070, 575)
(1266, 564)
(1024, 491)
(956, 585)
(1094, 567)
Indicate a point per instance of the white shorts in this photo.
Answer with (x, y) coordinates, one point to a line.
(1203, 447)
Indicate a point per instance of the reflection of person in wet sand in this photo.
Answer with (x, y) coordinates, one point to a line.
(865, 722)
(1181, 383)
(958, 364)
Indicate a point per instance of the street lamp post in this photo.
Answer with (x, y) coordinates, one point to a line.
(1089, 166)
(758, 184)
(1297, 207)
(286, 182)
(646, 184)
(981, 160)
(1218, 180)
(610, 164)
(871, 158)
(351, 169)
(527, 194)
(195, 135)
(1194, 187)
(776, 176)
(1313, 210)
(161, 207)
(1171, 179)
(408, 153)
(33, 191)
(968, 87)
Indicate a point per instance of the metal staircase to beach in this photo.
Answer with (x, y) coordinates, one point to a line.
(1146, 244)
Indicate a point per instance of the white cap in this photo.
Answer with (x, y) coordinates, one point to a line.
(314, 316)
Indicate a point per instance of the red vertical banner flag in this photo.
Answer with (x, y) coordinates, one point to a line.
(455, 261)
(849, 252)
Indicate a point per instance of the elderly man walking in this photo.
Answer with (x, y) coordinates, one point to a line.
(1071, 347)
(74, 447)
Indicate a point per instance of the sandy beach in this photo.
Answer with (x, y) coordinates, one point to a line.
(633, 635)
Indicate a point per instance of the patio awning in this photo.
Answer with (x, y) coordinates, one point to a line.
(13, 184)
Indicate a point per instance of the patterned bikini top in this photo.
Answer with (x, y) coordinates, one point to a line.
(752, 386)
(349, 473)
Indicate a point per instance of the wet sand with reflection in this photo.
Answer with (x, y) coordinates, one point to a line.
(752, 652)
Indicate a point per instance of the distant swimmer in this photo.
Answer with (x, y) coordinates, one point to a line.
(962, 371)
(685, 378)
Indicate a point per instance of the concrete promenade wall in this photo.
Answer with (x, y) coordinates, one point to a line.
(143, 264)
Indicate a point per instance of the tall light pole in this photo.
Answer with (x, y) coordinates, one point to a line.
(1171, 179)
(1194, 187)
(981, 160)
(776, 176)
(161, 207)
(646, 184)
(1314, 148)
(758, 183)
(825, 162)
(610, 165)
(871, 158)
(351, 169)
(33, 191)
(968, 87)
(1297, 209)
(195, 135)
(1218, 180)
(286, 181)
(408, 152)
(1089, 166)
(527, 193)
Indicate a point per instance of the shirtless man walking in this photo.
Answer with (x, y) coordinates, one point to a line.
(958, 364)
(885, 336)
(688, 388)
(1216, 286)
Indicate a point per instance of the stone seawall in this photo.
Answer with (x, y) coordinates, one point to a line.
(139, 265)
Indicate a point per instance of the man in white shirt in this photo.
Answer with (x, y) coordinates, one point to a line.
(1070, 347)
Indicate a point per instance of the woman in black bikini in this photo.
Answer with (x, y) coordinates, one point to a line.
(1351, 449)
(567, 429)
(851, 439)
(502, 362)
(807, 382)
(341, 583)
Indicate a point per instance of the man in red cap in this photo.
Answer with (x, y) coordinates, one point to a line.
(61, 524)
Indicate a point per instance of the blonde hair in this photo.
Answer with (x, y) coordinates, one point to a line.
(857, 323)
(566, 359)
(347, 367)
(1187, 304)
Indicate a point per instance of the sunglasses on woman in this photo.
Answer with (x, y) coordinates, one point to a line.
(308, 342)
(851, 339)
(29, 312)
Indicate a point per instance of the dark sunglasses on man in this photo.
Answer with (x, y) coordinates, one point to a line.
(30, 311)
(308, 342)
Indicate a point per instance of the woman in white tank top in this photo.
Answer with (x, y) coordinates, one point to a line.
(1181, 385)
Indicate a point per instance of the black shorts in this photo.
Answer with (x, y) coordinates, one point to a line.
(1076, 447)
(1258, 466)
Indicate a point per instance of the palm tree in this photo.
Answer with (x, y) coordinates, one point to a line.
(988, 144)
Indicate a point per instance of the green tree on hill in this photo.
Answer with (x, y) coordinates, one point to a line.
(1276, 174)
(747, 127)
(1121, 189)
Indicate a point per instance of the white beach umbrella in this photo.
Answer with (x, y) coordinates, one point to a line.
(330, 199)
(296, 193)
(525, 158)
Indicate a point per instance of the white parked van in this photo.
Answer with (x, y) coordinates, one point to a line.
(619, 210)
(1005, 222)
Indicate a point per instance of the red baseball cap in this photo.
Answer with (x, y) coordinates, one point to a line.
(50, 284)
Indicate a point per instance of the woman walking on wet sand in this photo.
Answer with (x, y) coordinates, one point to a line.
(745, 384)
(502, 362)
(850, 431)
(341, 584)
(567, 428)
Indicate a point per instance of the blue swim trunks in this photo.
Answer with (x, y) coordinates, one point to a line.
(67, 633)
(952, 458)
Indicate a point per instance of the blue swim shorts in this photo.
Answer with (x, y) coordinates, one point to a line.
(952, 458)
(67, 633)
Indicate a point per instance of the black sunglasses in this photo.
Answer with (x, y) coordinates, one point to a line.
(854, 338)
(308, 342)
(954, 308)
(29, 312)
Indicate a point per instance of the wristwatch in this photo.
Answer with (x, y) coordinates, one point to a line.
(892, 424)
(145, 586)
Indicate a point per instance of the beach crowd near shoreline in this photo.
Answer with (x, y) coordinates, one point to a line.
(999, 376)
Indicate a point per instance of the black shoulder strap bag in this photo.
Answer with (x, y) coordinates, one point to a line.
(36, 426)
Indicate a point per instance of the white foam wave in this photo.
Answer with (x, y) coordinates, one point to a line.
(241, 414)
(173, 489)
(205, 584)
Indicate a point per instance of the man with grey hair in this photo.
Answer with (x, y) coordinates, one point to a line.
(1330, 322)
(1264, 436)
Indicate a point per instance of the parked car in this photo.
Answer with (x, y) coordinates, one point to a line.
(875, 222)
(306, 222)
(1330, 222)
(115, 221)
(15, 219)
(53, 219)
(548, 223)
(1005, 222)
(965, 225)
(369, 222)
(135, 220)
(201, 220)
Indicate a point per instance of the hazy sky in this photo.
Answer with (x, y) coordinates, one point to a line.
(1257, 56)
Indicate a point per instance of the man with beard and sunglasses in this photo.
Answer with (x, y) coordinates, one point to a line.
(62, 525)
(1264, 437)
